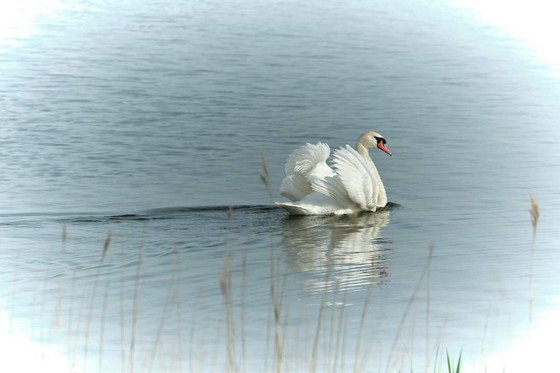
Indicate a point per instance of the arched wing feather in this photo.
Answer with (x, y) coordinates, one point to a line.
(305, 165)
(357, 177)
(332, 187)
(305, 158)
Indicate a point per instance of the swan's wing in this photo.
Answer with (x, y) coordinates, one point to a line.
(304, 159)
(357, 176)
(305, 164)
(331, 186)
(295, 187)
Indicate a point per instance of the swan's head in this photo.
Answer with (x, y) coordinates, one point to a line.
(372, 139)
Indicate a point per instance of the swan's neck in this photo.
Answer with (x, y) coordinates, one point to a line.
(382, 194)
(363, 144)
(363, 150)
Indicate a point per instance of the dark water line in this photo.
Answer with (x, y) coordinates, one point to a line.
(152, 214)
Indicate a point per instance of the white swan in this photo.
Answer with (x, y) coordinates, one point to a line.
(352, 184)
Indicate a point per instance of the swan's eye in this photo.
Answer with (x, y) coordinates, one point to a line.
(381, 139)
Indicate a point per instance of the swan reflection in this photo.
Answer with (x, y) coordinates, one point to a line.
(338, 252)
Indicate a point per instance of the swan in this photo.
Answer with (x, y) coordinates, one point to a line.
(351, 185)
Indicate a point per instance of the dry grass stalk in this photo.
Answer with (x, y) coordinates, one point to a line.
(243, 323)
(104, 312)
(276, 309)
(535, 221)
(157, 342)
(230, 213)
(361, 328)
(265, 177)
(64, 235)
(96, 283)
(534, 215)
(428, 307)
(225, 285)
(107, 243)
(135, 312)
(340, 332)
(427, 268)
(316, 340)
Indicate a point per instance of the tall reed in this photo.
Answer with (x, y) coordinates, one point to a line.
(104, 250)
(535, 222)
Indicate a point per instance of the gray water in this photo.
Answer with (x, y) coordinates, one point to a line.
(141, 126)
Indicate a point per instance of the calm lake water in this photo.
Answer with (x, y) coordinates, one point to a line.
(136, 233)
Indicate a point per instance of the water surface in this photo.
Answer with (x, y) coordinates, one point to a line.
(136, 125)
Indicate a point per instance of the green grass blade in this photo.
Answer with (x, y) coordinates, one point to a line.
(458, 370)
(449, 365)
(436, 360)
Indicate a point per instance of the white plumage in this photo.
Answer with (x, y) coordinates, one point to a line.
(351, 185)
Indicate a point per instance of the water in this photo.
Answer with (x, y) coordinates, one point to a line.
(139, 123)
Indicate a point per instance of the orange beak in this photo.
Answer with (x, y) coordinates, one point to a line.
(381, 145)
